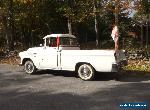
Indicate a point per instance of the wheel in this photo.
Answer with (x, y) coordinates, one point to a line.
(86, 72)
(29, 67)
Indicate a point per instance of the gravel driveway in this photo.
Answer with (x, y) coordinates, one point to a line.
(52, 90)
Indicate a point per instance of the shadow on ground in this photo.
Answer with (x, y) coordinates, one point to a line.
(126, 76)
(107, 99)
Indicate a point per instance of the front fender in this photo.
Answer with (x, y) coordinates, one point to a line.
(24, 56)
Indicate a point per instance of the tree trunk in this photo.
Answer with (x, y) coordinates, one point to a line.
(96, 32)
(6, 31)
(69, 26)
(11, 25)
(96, 25)
(147, 36)
(142, 34)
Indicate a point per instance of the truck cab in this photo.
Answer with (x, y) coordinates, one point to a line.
(61, 42)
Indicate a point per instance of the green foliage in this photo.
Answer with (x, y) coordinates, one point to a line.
(31, 20)
(27, 21)
(138, 65)
(145, 7)
(143, 10)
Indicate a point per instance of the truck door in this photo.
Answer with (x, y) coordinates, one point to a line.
(49, 58)
(49, 55)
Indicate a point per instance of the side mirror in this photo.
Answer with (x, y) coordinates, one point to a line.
(41, 45)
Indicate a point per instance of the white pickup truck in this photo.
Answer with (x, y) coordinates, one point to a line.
(61, 52)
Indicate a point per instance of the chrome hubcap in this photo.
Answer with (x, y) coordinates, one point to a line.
(85, 71)
(29, 68)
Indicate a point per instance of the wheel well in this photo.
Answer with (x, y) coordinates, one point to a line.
(25, 59)
(81, 63)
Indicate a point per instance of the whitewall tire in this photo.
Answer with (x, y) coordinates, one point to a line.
(29, 67)
(86, 72)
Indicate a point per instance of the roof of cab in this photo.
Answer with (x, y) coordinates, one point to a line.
(59, 35)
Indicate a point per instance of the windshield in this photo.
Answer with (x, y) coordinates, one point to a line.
(68, 41)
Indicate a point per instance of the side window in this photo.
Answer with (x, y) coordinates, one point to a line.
(64, 41)
(67, 41)
(51, 42)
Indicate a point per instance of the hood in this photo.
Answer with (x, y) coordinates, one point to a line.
(31, 51)
(34, 49)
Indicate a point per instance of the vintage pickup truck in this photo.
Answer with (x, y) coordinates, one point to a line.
(62, 52)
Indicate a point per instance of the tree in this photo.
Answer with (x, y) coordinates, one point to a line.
(8, 22)
(142, 16)
(120, 9)
(32, 19)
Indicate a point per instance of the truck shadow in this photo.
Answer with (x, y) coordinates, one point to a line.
(127, 76)
(135, 76)
(98, 76)
(101, 76)
(56, 73)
